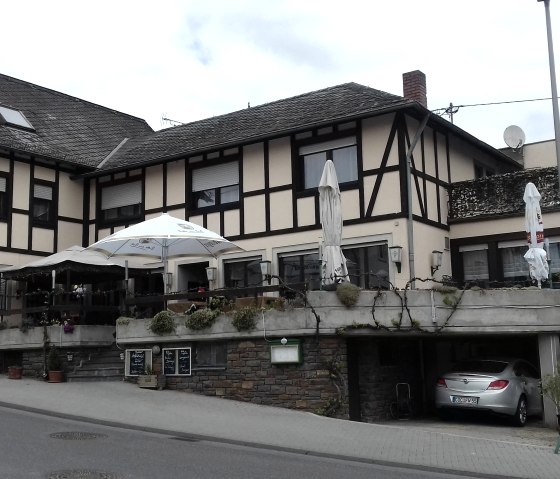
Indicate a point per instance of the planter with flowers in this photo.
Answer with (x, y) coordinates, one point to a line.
(68, 326)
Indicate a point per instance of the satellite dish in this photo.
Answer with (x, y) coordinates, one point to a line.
(514, 137)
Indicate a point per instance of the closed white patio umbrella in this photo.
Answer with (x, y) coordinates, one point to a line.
(333, 260)
(536, 255)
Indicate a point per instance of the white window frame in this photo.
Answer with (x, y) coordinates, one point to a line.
(148, 361)
(176, 373)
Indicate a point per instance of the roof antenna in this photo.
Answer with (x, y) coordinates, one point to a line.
(164, 120)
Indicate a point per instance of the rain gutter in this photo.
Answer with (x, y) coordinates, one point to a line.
(410, 222)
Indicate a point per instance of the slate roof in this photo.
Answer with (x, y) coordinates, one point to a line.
(66, 128)
(349, 100)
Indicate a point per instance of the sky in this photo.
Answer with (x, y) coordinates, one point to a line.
(186, 60)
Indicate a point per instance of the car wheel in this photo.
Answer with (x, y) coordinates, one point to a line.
(520, 417)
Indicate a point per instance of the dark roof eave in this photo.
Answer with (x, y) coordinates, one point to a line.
(61, 161)
(381, 111)
(246, 140)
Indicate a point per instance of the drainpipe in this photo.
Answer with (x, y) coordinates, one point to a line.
(410, 225)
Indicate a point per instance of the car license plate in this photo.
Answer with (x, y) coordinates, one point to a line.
(464, 400)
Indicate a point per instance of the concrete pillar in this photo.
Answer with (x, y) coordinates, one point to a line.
(549, 349)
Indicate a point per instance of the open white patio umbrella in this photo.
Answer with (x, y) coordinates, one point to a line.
(333, 261)
(76, 260)
(164, 237)
(536, 255)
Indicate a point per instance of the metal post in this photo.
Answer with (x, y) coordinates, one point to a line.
(553, 84)
(410, 222)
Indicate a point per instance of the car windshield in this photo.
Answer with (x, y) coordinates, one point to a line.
(480, 366)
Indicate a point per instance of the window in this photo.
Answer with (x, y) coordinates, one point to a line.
(43, 205)
(343, 153)
(475, 262)
(12, 117)
(368, 266)
(300, 268)
(481, 171)
(215, 185)
(554, 253)
(211, 354)
(240, 274)
(121, 203)
(515, 266)
(3, 198)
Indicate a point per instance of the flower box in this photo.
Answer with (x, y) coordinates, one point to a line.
(147, 381)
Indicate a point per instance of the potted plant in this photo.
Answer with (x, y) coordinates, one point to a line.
(550, 388)
(15, 372)
(148, 379)
(54, 366)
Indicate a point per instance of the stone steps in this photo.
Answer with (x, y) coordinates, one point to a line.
(103, 365)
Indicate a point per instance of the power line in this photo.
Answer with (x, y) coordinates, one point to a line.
(452, 109)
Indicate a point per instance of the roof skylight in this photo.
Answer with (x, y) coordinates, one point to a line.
(15, 118)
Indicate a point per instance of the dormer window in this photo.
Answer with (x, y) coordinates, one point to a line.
(15, 118)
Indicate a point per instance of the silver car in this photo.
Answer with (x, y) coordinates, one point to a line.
(509, 387)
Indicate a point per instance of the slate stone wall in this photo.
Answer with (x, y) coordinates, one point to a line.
(502, 195)
(249, 376)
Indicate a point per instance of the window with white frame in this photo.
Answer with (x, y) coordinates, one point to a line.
(43, 206)
(475, 262)
(241, 273)
(121, 202)
(215, 185)
(343, 153)
(300, 267)
(368, 265)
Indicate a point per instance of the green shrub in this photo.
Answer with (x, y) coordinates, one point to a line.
(53, 360)
(201, 319)
(550, 387)
(244, 318)
(348, 294)
(123, 321)
(162, 323)
(218, 303)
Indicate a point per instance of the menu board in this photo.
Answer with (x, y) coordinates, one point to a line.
(137, 362)
(177, 361)
(184, 360)
(169, 361)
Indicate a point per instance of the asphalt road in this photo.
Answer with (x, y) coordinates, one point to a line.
(37, 446)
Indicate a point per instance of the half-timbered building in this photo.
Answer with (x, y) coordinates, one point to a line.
(72, 172)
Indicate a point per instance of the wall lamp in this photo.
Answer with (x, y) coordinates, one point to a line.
(395, 253)
(169, 281)
(436, 261)
(211, 274)
(265, 270)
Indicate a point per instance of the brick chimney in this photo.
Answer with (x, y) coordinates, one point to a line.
(414, 87)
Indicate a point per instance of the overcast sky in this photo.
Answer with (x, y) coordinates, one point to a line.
(187, 60)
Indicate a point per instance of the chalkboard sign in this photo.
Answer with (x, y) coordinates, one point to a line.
(137, 362)
(184, 361)
(177, 361)
(169, 361)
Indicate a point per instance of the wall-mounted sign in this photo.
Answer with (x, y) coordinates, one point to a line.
(176, 361)
(136, 361)
(288, 353)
